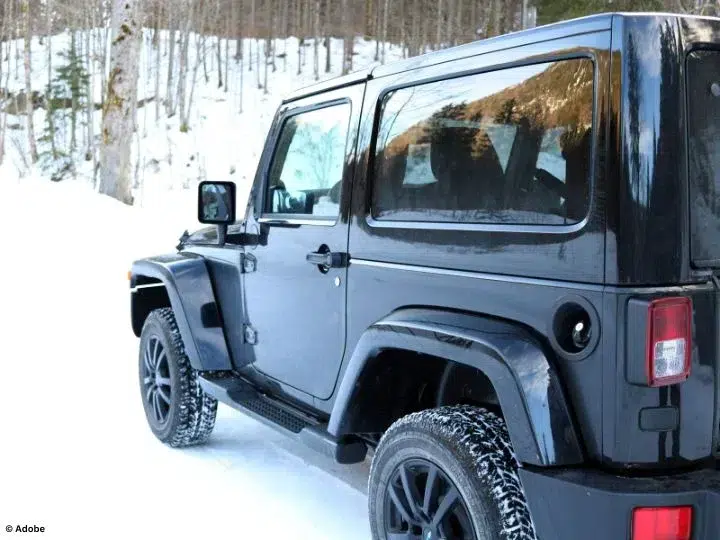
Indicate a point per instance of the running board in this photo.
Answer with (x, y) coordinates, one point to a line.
(241, 395)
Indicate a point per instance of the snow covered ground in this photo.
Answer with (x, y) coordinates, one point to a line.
(76, 456)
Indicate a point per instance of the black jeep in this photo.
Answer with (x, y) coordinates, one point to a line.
(497, 266)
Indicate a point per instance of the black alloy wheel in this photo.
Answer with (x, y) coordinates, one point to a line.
(421, 503)
(157, 384)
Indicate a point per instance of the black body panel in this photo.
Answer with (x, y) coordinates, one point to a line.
(192, 298)
(572, 504)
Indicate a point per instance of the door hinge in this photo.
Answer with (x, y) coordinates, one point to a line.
(248, 263)
(250, 335)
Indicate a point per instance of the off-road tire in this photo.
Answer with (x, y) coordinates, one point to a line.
(472, 447)
(191, 416)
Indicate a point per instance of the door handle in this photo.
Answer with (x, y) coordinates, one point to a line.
(327, 259)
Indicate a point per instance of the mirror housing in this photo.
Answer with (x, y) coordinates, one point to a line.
(216, 203)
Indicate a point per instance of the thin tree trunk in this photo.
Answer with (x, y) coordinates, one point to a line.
(401, 22)
(32, 144)
(257, 62)
(204, 61)
(219, 62)
(219, 45)
(170, 97)
(183, 67)
(156, 42)
(3, 122)
(416, 28)
(89, 90)
(376, 33)
(473, 19)
(73, 96)
(307, 26)
(298, 29)
(253, 34)
(242, 59)
(199, 51)
(458, 21)
(227, 56)
(285, 32)
(18, 33)
(118, 118)
(347, 46)
(386, 9)
(49, 109)
(328, 37)
(438, 40)
(316, 42)
(271, 39)
(236, 28)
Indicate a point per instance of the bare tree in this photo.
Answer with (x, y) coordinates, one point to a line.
(386, 9)
(118, 117)
(316, 42)
(32, 144)
(328, 35)
(170, 96)
(183, 65)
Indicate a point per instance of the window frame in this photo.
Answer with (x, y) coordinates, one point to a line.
(299, 219)
(488, 226)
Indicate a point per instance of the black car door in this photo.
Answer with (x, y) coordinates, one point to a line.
(295, 297)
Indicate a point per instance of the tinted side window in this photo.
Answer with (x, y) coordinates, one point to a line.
(307, 168)
(510, 146)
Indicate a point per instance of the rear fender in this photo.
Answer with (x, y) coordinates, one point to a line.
(529, 390)
(190, 291)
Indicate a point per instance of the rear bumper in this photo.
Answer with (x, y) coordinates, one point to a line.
(573, 504)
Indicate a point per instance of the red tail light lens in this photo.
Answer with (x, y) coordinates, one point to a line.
(669, 341)
(669, 523)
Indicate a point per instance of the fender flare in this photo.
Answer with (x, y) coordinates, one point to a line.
(189, 288)
(529, 389)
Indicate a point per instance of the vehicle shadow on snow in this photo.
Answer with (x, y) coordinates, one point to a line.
(239, 442)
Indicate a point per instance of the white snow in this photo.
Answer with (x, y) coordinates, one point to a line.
(76, 455)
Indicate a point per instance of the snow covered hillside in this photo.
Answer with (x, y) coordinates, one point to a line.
(77, 456)
(222, 142)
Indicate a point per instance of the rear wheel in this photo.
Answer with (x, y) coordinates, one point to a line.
(178, 411)
(449, 474)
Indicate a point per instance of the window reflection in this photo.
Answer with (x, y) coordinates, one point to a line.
(307, 170)
(510, 146)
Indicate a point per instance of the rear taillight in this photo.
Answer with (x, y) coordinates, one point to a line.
(667, 523)
(669, 344)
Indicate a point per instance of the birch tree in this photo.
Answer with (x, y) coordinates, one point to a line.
(118, 113)
(32, 144)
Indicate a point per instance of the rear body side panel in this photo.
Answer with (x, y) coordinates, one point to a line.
(399, 266)
(648, 254)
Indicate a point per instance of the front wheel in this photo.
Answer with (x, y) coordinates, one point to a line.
(450, 474)
(178, 411)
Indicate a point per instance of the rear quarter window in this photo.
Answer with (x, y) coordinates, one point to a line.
(509, 146)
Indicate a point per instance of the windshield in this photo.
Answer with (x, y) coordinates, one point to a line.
(703, 75)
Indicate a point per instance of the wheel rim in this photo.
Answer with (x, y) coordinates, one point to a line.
(157, 387)
(422, 503)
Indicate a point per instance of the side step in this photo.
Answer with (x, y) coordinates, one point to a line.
(241, 395)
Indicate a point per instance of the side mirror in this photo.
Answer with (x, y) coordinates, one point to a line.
(216, 203)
